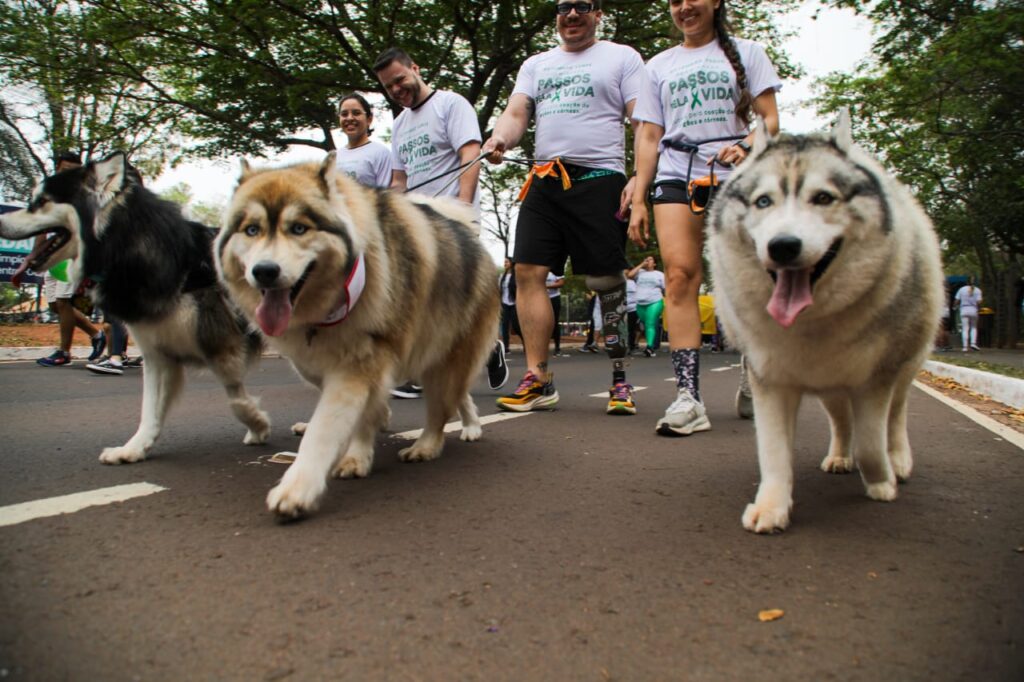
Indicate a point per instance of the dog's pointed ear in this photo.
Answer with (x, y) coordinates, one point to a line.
(761, 136)
(329, 169)
(108, 174)
(246, 170)
(842, 135)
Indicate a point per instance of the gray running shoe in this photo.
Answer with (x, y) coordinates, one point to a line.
(683, 417)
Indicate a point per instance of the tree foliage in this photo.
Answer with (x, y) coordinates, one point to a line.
(245, 75)
(942, 105)
(251, 76)
(57, 96)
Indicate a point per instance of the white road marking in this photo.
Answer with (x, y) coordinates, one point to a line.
(1004, 432)
(457, 426)
(604, 394)
(68, 504)
(722, 369)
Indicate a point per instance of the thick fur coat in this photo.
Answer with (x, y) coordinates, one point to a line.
(828, 277)
(360, 289)
(152, 269)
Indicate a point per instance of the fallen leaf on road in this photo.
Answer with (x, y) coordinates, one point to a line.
(770, 615)
(283, 458)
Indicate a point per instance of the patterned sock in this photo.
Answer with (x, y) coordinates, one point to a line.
(686, 363)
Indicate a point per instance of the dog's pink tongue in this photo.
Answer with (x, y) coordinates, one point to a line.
(274, 311)
(791, 295)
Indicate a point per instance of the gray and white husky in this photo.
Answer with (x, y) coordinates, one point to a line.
(828, 277)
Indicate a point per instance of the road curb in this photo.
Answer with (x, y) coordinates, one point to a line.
(1004, 389)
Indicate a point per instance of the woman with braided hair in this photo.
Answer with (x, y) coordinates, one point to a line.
(696, 110)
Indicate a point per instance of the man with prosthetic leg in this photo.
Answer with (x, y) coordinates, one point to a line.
(579, 94)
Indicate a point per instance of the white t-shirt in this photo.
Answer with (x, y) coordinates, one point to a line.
(579, 102)
(650, 286)
(369, 164)
(968, 300)
(692, 94)
(552, 291)
(425, 141)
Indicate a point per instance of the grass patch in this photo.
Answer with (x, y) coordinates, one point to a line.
(993, 367)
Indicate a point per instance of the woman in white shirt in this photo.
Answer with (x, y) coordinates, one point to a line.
(650, 292)
(968, 299)
(696, 110)
(367, 161)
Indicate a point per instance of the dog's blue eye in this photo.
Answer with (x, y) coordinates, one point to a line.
(251, 230)
(763, 201)
(298, 229)
(822, 199)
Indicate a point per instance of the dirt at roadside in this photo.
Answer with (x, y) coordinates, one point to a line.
(30, 335)
(33, 335)
(1004, 414)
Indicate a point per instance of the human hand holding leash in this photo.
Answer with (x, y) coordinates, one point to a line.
(494, 149)
(732, 155)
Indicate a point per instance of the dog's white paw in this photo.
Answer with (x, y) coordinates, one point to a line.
(121, 455)
(256, 437)
(299, 429)
(763, 518)
(353, 466)
(471, 433)
(296, 495)
(418, 453)
(883, 492)
(902, 465)
(350, 467)
(833, 464)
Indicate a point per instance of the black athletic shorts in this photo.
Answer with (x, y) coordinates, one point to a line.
(675, 192)
(578, 222)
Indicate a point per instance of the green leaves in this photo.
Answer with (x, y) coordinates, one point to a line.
(942, 106)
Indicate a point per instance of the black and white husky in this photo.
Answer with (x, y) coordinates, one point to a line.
(153, 269)
(828, 277)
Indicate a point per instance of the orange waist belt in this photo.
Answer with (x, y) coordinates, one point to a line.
(543, 170)
(700, 191)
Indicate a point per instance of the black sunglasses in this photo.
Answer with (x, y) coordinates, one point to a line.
(564, 8)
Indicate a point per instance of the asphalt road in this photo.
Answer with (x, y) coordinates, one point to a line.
(567, 545)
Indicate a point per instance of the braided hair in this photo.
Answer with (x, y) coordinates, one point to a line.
(744, 108)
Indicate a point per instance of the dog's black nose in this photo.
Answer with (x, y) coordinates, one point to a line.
(784, 249)
(266, 273)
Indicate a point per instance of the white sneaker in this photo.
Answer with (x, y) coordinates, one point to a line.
(683, 417)
(107, 365)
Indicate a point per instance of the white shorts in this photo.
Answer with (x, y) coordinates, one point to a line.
(55, 290)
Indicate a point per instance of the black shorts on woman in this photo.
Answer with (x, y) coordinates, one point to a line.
(578, 222)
